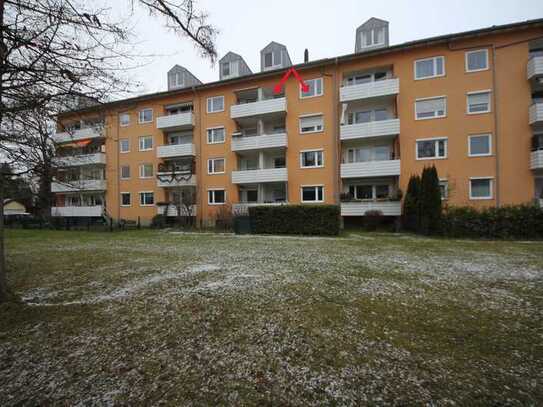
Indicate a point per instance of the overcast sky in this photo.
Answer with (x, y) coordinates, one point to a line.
(326, 28)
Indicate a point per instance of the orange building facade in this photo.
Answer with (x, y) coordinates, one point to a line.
(470, 103)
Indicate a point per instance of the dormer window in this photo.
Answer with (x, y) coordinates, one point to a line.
(373, 37)
(272, 59)
(176, 80)
(225, 69)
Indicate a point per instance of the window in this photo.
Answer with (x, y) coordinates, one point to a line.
(359, 79)
(147, 198)
(146, 143)
(146, 116)
(146, 170)
(124, 145)
(313, 193)
(430, 68)
(379, 191)
(372, 37)
(225, 68)
(369, 153)
(125, 199)
(431, 149)
(480, 188)
(367, 116)
(176, 80)
(479, 145)
(444, 188)
(216, 196)
(477, 60)
(315, 88)
(430, 108)
(215, 135)
(309, 159)
(124, 119)
(311, 124)
(272, 59)
(215, 166)
(125, 172)
(479, 102)
(215, 104)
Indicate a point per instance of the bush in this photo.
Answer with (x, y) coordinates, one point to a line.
(158, 221)
(411, 204)
(295, 219)
(430, 202)
(373, 219)
(506, 222)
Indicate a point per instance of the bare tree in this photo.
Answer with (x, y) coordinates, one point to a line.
(54, 50)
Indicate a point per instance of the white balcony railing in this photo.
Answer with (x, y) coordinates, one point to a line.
(536, 113)
(165, 181)
(94, 211)
(535, 67)
(76, 160)
(370, 90)
(178, 121)
(82, 134)
(371, 169)
(536, 160)
(388, 208)
(74, 186)
(259, 142)
(172, 210)
(371, 129)
(242, 208)
(256, 176)
(175, 150)
(262, 107)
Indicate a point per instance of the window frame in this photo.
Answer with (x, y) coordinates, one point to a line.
(491, 188)
(432, 98)
(485, 50)
(129, 199)
(127, 144)
(489, 136)
(446, 182)
(434, 66)
(318, 150)
(141, 138)
(140, 116)
(209, 196)
(210, 129)
(301, 93)
(436, 148)
(479, 92)
(211, 98)
(146, 192)
(310, 115)
(142, 171)
(121, 172)
(124, 114)
(321, 186)
(212, 160)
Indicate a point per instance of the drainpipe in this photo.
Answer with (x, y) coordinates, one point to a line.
(496, 126)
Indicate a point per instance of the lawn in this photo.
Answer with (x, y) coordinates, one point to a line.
(151, 317)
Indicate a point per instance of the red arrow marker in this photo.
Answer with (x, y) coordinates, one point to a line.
(303, 85)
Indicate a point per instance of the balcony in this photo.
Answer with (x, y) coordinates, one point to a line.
(77, 160)
(93, 211)
(260, 108)
(81, 134)
(242, 208)
(164, 180)
(172, 210)
(384, 168)
(535, 67)
(388, 208)
(75, 186)
(174, 122)
(387, 87)
(257, 176)
(259, 142)
(536, 113)
(175, 150)
(371, 129)
(536, 160)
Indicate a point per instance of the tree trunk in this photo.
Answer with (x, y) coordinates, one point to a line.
(3, 278)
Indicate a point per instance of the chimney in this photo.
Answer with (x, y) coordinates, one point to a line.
(306, 56)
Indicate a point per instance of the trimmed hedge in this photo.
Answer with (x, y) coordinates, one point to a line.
(506, 222)
(295, 219)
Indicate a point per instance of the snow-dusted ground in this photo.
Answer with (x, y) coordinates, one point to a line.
(200, 318)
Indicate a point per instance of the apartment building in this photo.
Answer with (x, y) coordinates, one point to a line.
(470, 103)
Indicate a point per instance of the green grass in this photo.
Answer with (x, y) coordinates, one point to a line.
(144, 317)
